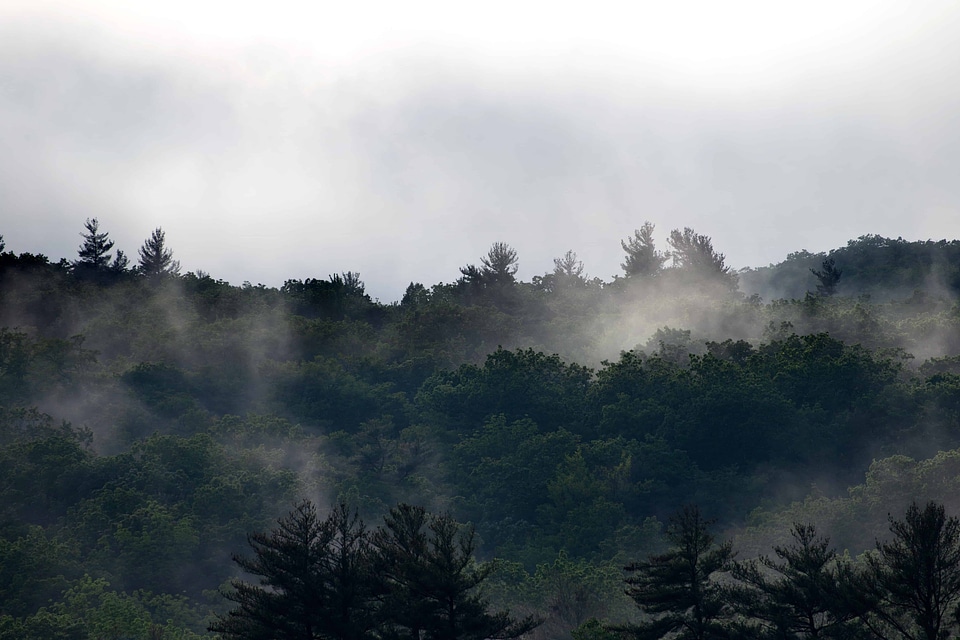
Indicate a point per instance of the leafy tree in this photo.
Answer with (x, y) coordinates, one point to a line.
(676, 589)
(95, 250)
(914, 579)
(803, 594)
(829, 277)
(643, 259)
(156, 260)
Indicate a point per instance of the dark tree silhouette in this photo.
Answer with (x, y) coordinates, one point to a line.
(914, 580)
(676, 589)
(95, 251)
(829, 277)
(805, 593)
(643, 259)
(568, 266)
(694, 251)
(500, 264)
(315, 581)
(156, 260)
(431, 581)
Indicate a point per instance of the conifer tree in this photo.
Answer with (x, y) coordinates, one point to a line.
(156, 260)
(314, 581)
(500, 264)
(828, 276)
(431, 581)
(643, 259)
(914, 579)
(677, 589)
(94, 253)
(805, 593)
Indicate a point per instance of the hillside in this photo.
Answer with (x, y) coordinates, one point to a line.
(150, 420)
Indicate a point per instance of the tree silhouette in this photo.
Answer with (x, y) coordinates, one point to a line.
(676, 589)
(500, 264)
(805, 593)
(314, 581)
(156, 260)
(94, 253)
(568, 266)
(914, 580)
(829, 277)
(643, 259)
(431, 581)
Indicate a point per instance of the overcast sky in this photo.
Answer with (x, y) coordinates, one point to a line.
(281, 139)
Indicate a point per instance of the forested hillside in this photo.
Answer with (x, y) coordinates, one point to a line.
(151, 420)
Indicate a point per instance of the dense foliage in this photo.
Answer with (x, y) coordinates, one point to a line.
(150, 421)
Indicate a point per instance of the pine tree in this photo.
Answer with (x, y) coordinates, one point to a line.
(314, 581)
(500, 264)
(829, 277)
(156, 260)
(676, 589)
(805, 593)
(94, 252)
(643, 259)
(431, 581)
(694, 253)
(914, 580)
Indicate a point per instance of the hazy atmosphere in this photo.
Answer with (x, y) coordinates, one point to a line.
(292, 140)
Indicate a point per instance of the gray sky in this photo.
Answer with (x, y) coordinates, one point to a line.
(281, 139)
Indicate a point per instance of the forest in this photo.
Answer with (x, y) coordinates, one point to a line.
(560, 455)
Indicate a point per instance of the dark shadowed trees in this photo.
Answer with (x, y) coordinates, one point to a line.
(314, 581)
(431, 581)
(414, 578)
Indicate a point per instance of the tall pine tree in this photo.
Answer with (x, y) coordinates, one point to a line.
(677, 589)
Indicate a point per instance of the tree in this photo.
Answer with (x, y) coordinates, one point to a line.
(315, 581)
(643, 259)
(568, 267)
(500, 264)
(914, 580)
(829, 277)
(120, 262)
(95, 251)
(804, 594)
(431, 581)
(676, 589)
(694, 253)
(156, 260)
